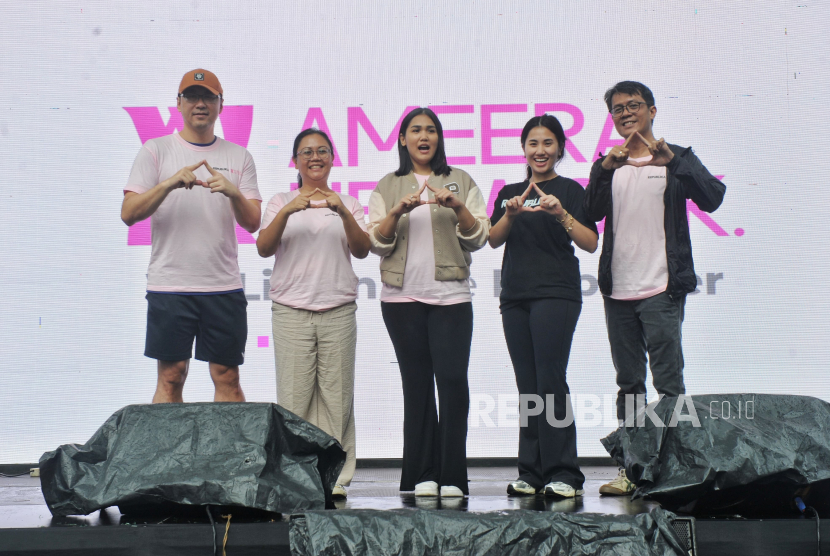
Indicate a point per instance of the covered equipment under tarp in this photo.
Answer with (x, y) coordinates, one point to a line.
(511, 533)
(254, 455)
(747, 454)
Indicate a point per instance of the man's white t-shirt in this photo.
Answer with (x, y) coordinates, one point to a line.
(639, 269)
(194, 231)
(313, 265)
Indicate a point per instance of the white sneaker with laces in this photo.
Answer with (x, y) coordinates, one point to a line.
(427, 488)
(451, 492)
(520, 488)
(338, 492)
(561, 490)
(619, 486)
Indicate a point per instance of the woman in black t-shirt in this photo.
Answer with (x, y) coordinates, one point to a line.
(538, 220)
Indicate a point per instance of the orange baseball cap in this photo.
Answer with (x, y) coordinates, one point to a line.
(201, 78)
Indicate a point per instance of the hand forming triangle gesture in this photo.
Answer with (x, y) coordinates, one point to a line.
(410, 202)
(618, 156)
(547, 203)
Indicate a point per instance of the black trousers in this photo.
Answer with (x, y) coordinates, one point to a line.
(539, 335)
(432, 343)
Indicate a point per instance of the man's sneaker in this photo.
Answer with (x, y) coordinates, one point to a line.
(561, 490)
(338, 492)
(620, 486)
(520, 488)
(451, 492)
(427, 488)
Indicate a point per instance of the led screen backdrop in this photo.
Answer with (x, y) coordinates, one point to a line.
(84, 84)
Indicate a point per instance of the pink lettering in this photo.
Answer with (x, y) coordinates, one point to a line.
(488, 133)
(236, 123)
(356, 117)
(457, 133)
(355, 187)
(710, 223)
(579, 123)
(148, 123)
(315, 115)
(605, 141)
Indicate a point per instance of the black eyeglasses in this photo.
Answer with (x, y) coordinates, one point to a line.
(632, 107)
(194, 98)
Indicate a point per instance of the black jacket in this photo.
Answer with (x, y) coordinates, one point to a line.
(686, 178)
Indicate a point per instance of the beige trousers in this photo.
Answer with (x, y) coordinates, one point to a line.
(315, 354)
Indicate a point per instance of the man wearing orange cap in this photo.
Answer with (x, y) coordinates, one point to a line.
(196, 187)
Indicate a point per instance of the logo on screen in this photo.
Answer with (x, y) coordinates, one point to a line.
(199, 77)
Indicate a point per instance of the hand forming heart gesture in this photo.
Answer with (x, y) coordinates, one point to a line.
(218, 183)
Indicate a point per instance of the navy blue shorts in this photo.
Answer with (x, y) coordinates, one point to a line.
(218, 322)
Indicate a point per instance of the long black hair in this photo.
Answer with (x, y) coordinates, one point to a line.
(438, 164)
(305, 133)
(552, 123)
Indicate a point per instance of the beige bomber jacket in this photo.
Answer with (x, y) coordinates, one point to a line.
(452, 248)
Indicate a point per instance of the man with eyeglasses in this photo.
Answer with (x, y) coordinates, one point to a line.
(195, 187)
(646, 267)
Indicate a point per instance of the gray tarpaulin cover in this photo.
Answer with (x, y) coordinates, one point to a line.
(512, 533)
(256, 455)
(750, 454)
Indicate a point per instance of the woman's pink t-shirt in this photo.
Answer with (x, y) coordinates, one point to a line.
(312, 265)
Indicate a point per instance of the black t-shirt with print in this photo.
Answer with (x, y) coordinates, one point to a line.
(539, 260)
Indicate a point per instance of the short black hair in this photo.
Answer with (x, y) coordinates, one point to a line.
(555, 127)
(629, 88)
(305, 133)
(438, 164)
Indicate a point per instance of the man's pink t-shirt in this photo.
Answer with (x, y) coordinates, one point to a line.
(194, 231)
(419, 283)
(313, 265)
(638, 264)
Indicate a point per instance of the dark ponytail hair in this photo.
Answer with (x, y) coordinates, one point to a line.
(552, 123)
(305, 133)
(438, 164)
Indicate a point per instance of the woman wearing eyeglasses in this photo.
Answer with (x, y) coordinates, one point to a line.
(313, 232)
(425, 220)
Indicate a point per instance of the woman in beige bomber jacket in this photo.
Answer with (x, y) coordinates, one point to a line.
(425, 220)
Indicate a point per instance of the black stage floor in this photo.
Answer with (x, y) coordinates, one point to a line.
(27, 527)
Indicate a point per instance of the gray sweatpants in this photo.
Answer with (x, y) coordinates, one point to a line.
(646, 326)
(315, 355)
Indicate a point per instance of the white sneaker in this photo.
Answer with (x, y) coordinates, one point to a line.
(338, 492)
(520, 488)
(451, 492)
(427, 488)
(561, 490)
(620, 486)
